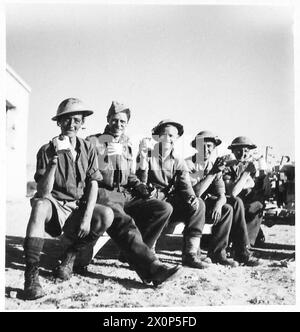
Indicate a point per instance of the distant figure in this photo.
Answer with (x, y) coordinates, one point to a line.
(66, 175)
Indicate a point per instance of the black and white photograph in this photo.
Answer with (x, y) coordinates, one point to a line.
(174, 186)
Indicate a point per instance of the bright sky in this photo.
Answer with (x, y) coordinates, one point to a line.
(228, 69)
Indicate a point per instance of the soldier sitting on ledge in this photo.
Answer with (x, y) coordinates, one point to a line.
(66, 175)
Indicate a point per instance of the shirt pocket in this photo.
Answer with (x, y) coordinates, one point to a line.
(60, 182)
(126, 166)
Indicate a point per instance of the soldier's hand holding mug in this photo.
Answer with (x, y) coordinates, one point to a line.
(114, 149)
(144, 147)
(61, 142)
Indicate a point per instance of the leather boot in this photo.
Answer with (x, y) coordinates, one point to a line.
(190, 256)
(32, 250)
(32, 287)
(122, 258)
(248, 260)
(244, 257)
(224, 261)
(81, 270)
(161, 273)
(65, 270)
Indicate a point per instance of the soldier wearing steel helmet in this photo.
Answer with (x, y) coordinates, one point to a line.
(66, 175)
(166, 171)
(239, 177)
(206, 176)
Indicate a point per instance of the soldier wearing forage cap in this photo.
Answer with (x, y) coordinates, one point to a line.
(239, 177)
(164, 170)
(130, 200)
(66, 175)
(206, 178)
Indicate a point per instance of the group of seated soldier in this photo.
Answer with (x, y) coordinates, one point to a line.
(86, 187)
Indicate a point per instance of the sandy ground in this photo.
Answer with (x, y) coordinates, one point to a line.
(111, 284)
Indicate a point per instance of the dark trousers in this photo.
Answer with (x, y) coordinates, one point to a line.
(194, 220)
(253, 213)
(221, 230)
(150, 216)
(244, 230)
(125, 233)
(254, 216)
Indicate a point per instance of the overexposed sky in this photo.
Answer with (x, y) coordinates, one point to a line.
(228, 69)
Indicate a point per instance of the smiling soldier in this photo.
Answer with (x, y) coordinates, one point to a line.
(167, 172)
(239, 177)
(130, 200)
(228, 225)
(66, 175)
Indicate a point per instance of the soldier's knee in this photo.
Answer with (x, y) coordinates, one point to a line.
(166, 207)
(103, 216)
(201, 204)
(237, 201)
(41, 205)
(228, 209)
(107, 217)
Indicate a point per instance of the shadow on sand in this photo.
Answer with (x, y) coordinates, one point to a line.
(166, 246)
(53, 248)
(275, 251)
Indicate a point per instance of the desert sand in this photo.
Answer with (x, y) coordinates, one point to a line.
(112, 284)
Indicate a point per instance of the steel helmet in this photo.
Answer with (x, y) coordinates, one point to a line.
(70, 106)
(242, 141)
(157, 129)
(208, 135)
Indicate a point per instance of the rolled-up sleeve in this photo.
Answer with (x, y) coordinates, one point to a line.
(93, 172)
(219, 185)
(41, 164)
(184, 184)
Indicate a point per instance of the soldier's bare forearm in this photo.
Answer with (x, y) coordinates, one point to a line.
(92, 192)
(203, 185)
(45, 185)
(221, 201)
(240, 184)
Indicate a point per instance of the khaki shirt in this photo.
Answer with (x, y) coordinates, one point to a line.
(160, 173)
(232, 174)
(71, 176)
(198, 172)
(234, 170)
(116, 170)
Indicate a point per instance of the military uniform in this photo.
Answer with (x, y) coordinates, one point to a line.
(247, 204)
(161, 174)
(138, 222)
(221, 230)
(70, 180)
(170, 178)
(62, 201)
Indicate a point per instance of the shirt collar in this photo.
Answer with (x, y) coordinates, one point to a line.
(79, 144)
(171, 155)
(205, 165)
(123, 138)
